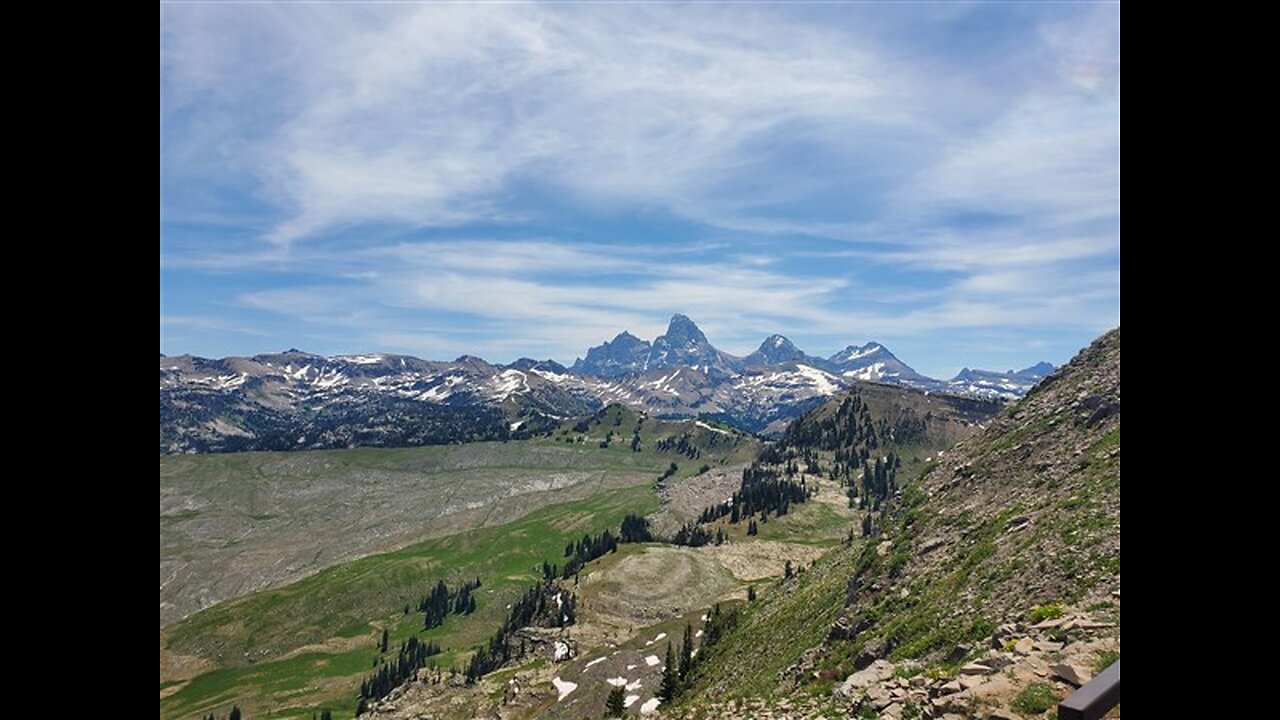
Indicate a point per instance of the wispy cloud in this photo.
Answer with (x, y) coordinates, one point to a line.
(534, 178)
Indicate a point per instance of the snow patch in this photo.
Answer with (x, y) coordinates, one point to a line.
(649, 706)
(698, 634)
(617, 682)
(820, 380)
(633, 686)
(508, 382)
(855, 353)
(705, 426)
(652, 660)
(564, 686)
(593, 662)
(874, 371)
(554, 377)
(630, 700)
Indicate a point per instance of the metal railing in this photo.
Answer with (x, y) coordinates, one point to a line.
(1095, 698)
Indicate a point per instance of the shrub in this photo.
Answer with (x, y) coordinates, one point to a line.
(1045, 612)
(1034, 699)
(1105, 658)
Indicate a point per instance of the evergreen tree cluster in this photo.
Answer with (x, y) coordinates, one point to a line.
(859, 444)
(879, 481)
(437, 605)
(682, 444)
(694, 535)
(413, 654)
(635, 529)
(850, 426)
(763, 490)
(463, 602)
(580, 553)
(537, 606)
(671, 470)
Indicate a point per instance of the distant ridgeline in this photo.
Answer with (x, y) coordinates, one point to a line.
(296, 401)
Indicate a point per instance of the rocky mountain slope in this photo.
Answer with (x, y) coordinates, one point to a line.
(297, 400)
(987, 588)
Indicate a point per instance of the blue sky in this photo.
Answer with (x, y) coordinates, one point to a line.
(530, 179)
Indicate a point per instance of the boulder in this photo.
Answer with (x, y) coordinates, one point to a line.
(1068, 674)
(875, 673)
(968, 682)
(949, 687)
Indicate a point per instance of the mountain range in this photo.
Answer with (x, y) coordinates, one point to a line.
(297, 400)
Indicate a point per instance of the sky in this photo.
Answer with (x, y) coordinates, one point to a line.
(509, 180)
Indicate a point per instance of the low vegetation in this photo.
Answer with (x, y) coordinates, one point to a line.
(1035, 699)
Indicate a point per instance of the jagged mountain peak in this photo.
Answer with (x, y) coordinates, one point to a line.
(776, 341)
(855, 352)
(684, 344)
(682, 330)
(624, 355)
(1040, 369)
(775, 350)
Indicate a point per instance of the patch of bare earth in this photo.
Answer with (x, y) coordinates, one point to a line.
(752, 561)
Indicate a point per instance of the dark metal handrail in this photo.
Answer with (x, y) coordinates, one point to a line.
(1093, 700)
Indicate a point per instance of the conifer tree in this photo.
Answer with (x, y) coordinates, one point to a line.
(614, 706)
(670, 683)
(686, 653)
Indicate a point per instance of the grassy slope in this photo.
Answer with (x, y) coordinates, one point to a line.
(1023, 514)
(357, 598)
(304, 646)
(234, 523)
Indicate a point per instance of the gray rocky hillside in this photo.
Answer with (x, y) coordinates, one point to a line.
(990, 587)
